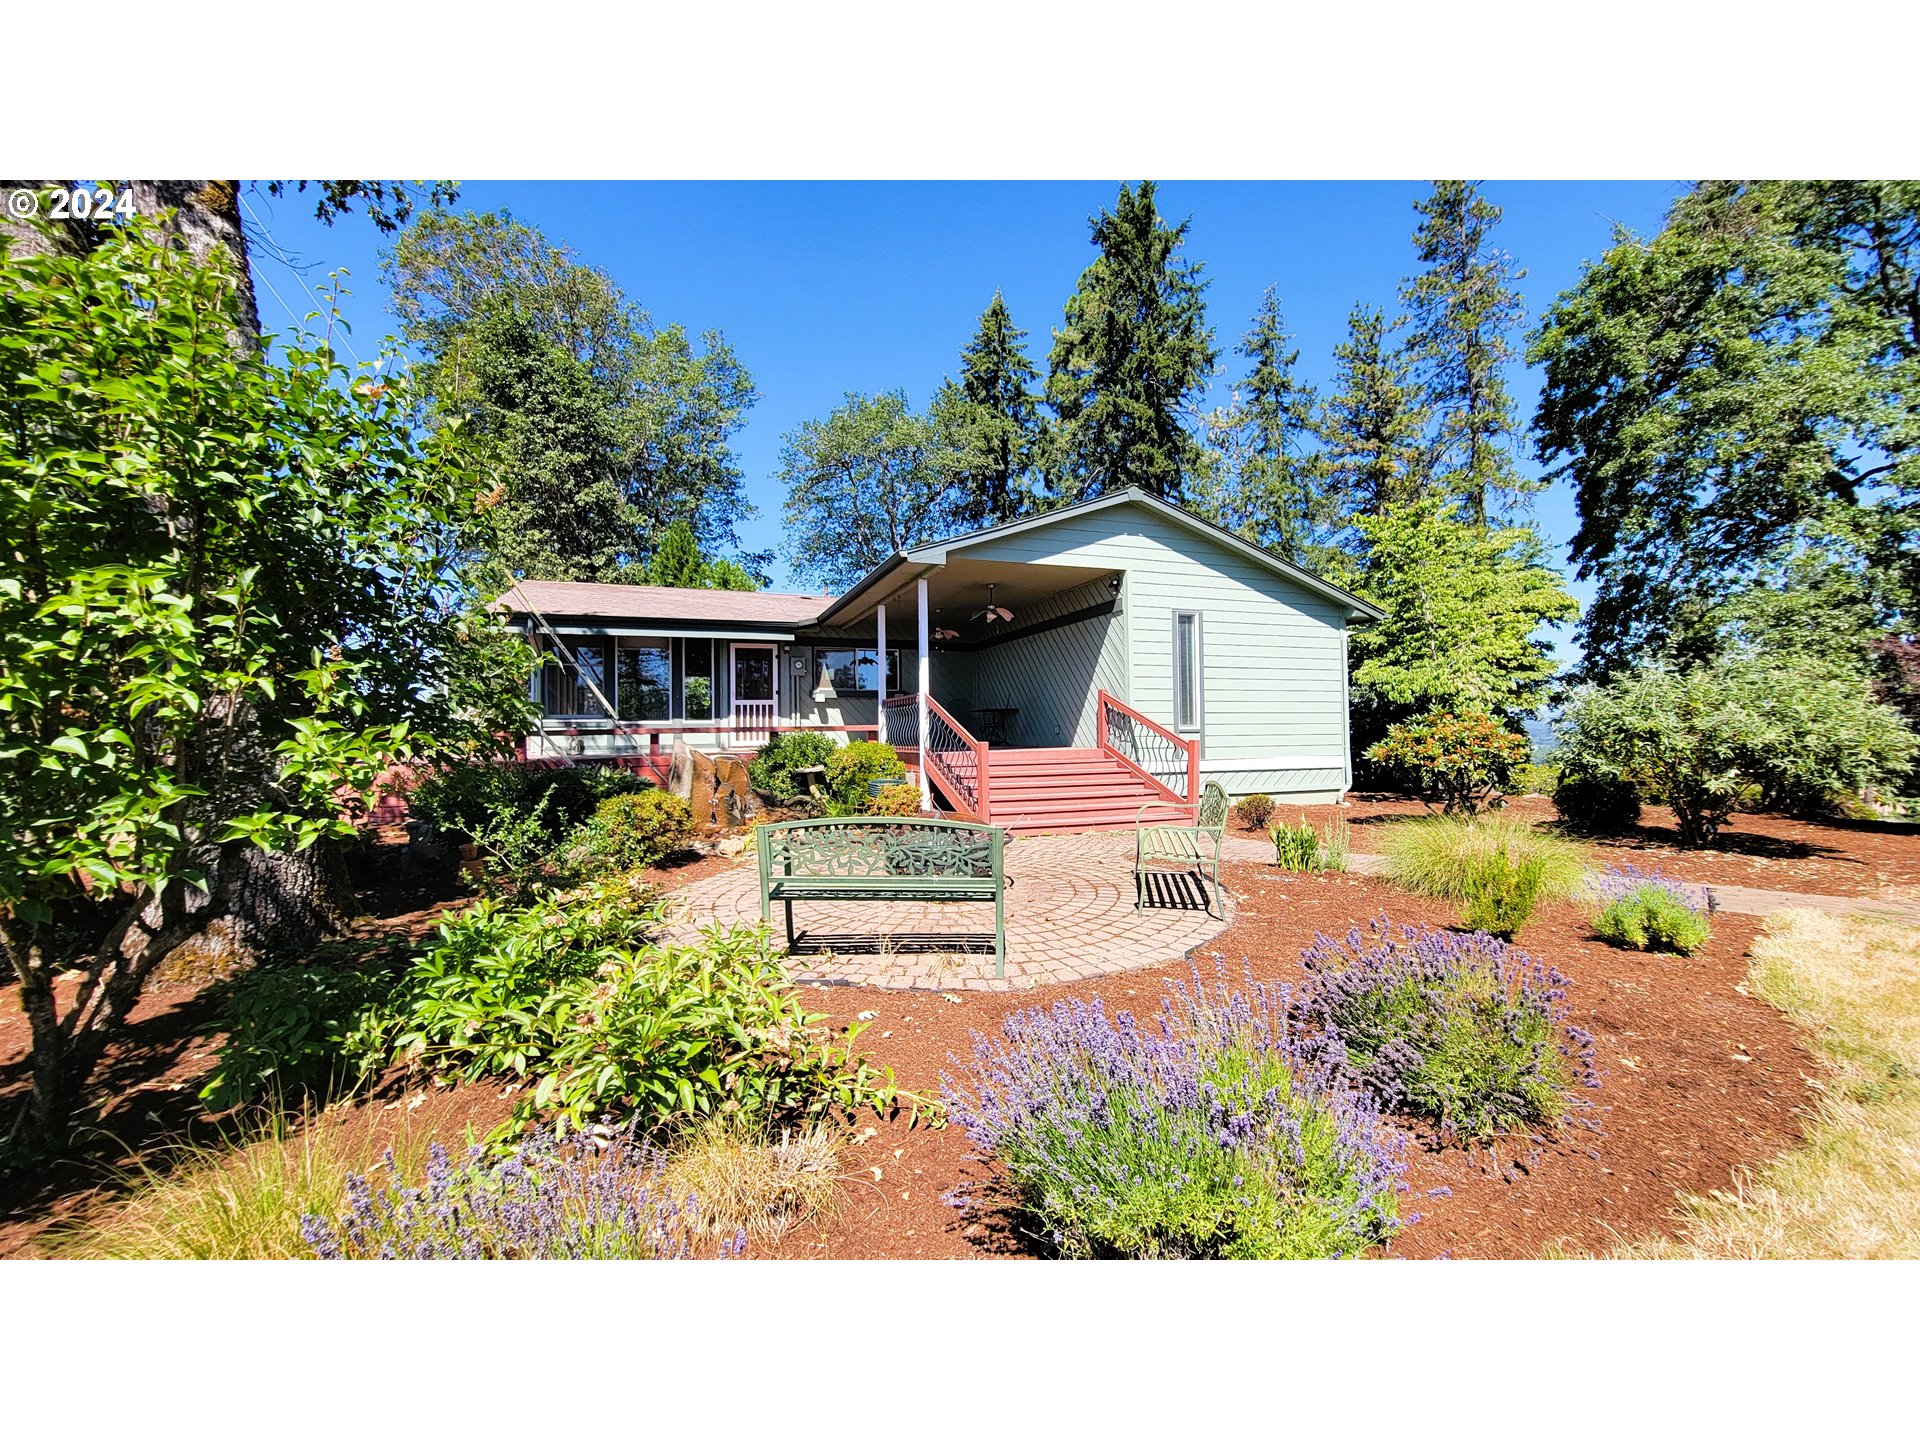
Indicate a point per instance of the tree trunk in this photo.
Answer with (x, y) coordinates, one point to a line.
(206, 222)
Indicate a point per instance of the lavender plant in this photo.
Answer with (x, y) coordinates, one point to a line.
(1465, 1029)
(1650, 910)
(596, 1195)
(1207, 1132)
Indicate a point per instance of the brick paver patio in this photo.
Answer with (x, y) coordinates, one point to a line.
(1070, 916)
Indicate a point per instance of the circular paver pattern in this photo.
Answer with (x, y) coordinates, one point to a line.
(1070, 916)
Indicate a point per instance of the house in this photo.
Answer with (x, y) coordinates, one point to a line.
(1063, 669)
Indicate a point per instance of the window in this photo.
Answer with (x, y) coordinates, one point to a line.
(570, 685)
(646, 680)
(697, 687)
(850, 672)
(1186, 670)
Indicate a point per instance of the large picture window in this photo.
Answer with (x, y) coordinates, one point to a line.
(853, 672)
(646, 681)
(1186, 670)
(697, 685)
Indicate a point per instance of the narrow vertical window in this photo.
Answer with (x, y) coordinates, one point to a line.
(1186, 670)
(699, 680)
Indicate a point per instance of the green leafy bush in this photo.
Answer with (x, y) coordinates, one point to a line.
(572, 995)
(1535, 779)
(899, 800)
(1462, 1028)
(466, 801)
(1596, 804)
(852, 767)
(771, 772)
(294, 1030)
(1462, 759)
(1254, 811)
(1498, 869)
(628, 832)
(1697, 740)
(1646, 910)
(1302, 847)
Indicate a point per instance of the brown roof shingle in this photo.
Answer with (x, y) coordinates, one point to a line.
(662, 602)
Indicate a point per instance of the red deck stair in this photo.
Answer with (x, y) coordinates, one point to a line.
(1029, 791)
(1036, 790)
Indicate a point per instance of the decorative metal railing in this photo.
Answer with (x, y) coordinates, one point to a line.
(1169, 762)
(953, 759)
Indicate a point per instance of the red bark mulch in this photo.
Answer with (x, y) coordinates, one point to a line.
(1698, 1079)
(1766, 852)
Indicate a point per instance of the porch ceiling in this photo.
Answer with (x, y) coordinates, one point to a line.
(958, 590)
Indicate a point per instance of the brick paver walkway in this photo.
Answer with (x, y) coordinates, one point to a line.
(1070, 916)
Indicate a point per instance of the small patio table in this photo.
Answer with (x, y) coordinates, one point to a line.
(995, 721)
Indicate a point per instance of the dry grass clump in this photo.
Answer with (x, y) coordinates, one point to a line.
(1853, 1190)
(241, 1199)
(744, 1179)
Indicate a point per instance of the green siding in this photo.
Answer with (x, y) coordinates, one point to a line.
(1273, 686)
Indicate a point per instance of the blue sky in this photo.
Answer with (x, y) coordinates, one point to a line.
(828, 287)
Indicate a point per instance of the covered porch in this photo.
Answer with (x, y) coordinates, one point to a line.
(1012, 707)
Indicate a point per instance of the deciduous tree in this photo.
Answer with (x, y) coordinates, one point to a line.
(863, 483)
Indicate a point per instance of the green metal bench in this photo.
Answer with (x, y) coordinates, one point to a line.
(865, 857)
(1181, 848)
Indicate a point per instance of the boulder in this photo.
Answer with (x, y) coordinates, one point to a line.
(680, 769)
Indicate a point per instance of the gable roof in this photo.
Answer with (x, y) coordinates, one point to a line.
(937, 552)
(657, 602)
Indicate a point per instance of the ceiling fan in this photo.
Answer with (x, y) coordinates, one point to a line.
(993, 612)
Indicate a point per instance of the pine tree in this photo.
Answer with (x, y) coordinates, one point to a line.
(1465, 313)
(1372, 423)
(1134, 352)
(1266, 479)
(989, 423)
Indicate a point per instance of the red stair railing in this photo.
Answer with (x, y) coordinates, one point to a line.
(953, 759)
(1149, 749)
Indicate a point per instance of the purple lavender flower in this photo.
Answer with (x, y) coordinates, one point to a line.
(1466, 1029)
(555, 1198)
(1621, 881)
(1207, 1130)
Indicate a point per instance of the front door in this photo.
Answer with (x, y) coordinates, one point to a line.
(753, 694)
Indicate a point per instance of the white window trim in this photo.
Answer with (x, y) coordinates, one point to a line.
(1199, 672)
(713, 680)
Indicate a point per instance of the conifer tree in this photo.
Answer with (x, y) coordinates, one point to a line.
(1465, 314)
(1266, 480)
(989, 423)
(1373, 422)
(1134, 352)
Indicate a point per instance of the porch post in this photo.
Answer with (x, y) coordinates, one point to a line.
(926, 684)
(880, 692)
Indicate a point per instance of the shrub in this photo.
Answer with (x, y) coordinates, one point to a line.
(296, 1029)
(1647, 910)
(1535, 779)
(1596, 804)
(1695, 740)
(1463, 1029)
(1209, 1134)
(569, 995)
(1254, 811)
(629, 832)
(852, 767)
(466, 799)
(1463, 759)
(771, 772)
(556, 1198)
(893, 800)
(1498, 869)
(1303, 847)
